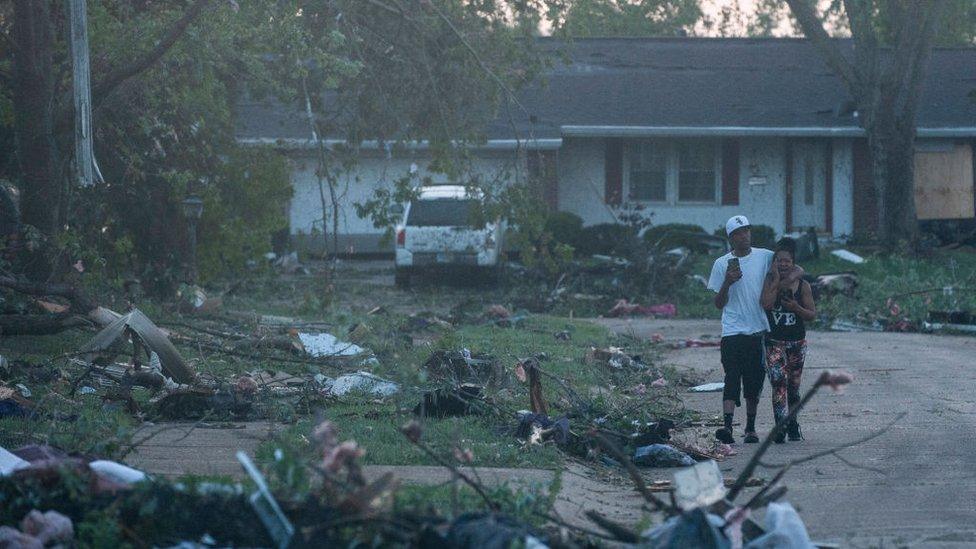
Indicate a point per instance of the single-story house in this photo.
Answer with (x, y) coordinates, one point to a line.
(692, 129)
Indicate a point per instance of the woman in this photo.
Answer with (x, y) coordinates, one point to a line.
(789, 304)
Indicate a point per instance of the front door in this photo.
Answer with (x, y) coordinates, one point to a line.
(809, 193)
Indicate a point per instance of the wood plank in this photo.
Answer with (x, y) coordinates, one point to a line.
(944, 183)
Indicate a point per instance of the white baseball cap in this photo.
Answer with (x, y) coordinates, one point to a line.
(736, 222)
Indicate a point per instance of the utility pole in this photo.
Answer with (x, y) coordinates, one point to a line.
(82, 92)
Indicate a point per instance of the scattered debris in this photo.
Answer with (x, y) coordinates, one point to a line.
(624, 308)
(698, 486)
(279, 528)
(661, 455)
(841, 325)
(364, 382)
(652, 433)
(461, 366)
(459, 401)
(149, 335)
(716, 387)
(695, 343)
(193, 299)
(563, 335)
(10, 462)
(13, 404)
(289, 264)
(844, 283)
(488, 530)
(538, 428)
(326, 345)
(613, 357)
(848, 256)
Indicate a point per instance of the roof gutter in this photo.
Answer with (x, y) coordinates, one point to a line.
(490, 145)
(745, 131)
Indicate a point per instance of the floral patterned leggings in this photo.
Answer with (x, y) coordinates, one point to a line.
(784, 364)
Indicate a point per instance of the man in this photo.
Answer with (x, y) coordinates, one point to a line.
(737, 280)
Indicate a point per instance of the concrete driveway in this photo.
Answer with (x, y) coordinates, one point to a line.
(925, 492)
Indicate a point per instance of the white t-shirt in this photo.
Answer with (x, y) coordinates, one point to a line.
(743, 314)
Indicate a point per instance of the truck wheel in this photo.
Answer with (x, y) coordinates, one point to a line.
(401, 278)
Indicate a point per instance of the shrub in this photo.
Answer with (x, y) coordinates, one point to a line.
(608, 239)
(565, 228)
(674, 235)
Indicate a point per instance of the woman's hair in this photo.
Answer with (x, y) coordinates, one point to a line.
(788, 245)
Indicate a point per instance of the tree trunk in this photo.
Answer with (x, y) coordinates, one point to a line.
(892, 145)
(40, 183)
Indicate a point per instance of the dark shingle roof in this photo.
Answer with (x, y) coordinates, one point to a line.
(687, 82)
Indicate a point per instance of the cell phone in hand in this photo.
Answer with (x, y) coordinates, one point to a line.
(733, 263)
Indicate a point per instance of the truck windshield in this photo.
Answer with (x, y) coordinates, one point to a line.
(442, 212)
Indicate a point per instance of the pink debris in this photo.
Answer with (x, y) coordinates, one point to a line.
(625, 308)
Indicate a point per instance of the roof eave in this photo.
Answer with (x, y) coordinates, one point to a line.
(307, 144)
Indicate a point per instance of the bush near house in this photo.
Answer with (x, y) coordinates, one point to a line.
(608, 239)
(565, 228)
(676, 235)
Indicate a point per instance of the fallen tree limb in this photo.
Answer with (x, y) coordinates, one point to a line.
(835, 380)
(635, 475)
(30, 324)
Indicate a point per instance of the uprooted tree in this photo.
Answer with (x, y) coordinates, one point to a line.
(884, 72)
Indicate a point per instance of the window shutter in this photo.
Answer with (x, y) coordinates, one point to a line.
(730, 172)
(614, 171)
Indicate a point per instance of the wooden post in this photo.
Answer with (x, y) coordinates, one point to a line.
(789, 184)
(82, 93)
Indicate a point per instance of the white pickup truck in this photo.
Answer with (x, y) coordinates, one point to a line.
(438, 233)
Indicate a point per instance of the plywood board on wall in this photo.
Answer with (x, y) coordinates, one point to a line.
(944, 183)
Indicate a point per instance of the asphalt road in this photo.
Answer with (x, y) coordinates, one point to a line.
(924, 493)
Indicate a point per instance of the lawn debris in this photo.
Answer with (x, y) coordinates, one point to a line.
(323, 344)
(10, 462)
(13, 404)
(563, 335)
(538, 428)
(613, 357)
(950, 321)
(455, 402)
(149, 336)
(848, 256)
(716, 387)
(360, 382)
(828, 284)
(191, 403)
(624, 308)
(193, 300)
(463, 366)
(661, 455)
(537, 401)
(699, 485)
(844, 325)
(279, 528)
(658, 432)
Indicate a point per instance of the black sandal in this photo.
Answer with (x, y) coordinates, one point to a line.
(751, 438)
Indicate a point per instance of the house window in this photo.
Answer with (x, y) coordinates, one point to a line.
(649, 171)
(808, 181)
(696, 171)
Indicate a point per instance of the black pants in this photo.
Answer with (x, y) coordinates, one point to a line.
(743, 359)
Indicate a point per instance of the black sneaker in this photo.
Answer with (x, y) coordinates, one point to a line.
(780, 437)
(793, 430)
(725, 435)
(751, 438)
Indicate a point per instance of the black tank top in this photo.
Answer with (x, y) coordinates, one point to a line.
(786, 325)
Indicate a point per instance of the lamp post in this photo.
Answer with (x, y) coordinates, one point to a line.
(192, 210)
